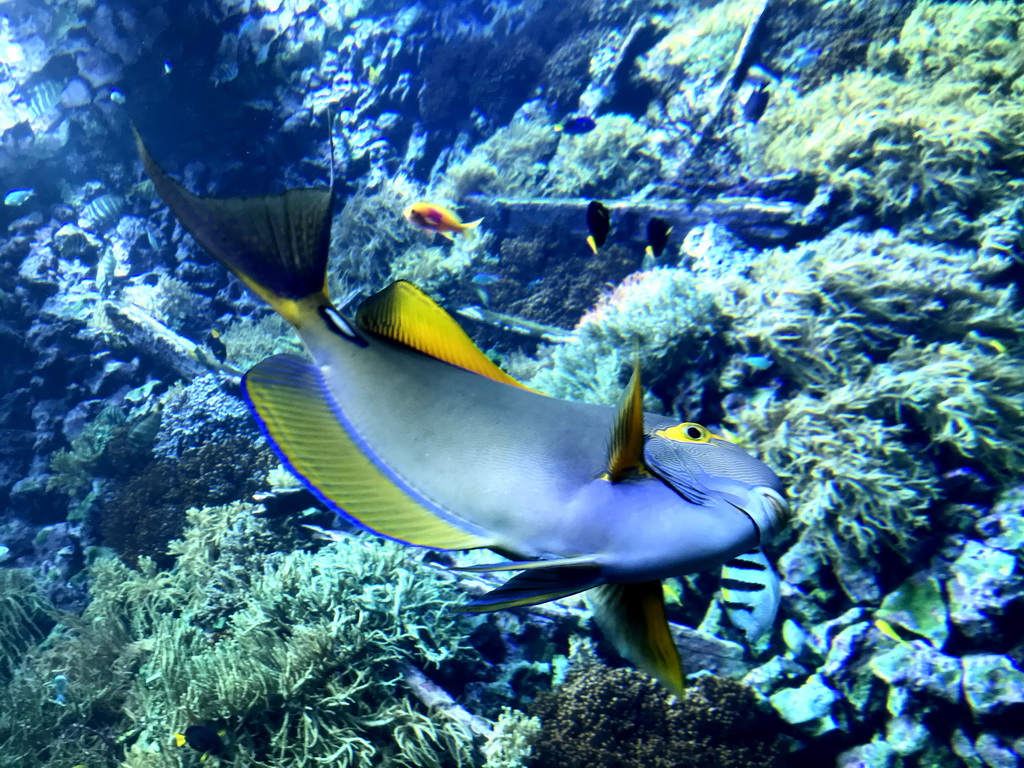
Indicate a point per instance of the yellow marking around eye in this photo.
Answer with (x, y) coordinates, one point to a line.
(679, 433)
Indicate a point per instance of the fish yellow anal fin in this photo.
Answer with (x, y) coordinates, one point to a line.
(294, 409)
(632, 616)
(626, 448)
(404, 314)
(538, 585)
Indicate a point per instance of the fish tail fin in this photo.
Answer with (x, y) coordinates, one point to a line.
(276, 244)
(468, 228)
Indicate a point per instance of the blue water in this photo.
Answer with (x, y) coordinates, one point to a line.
(191, 572)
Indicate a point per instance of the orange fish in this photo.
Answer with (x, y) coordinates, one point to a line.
(434, 218)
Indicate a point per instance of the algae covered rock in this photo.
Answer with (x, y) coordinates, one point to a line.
(992, 684)
(918, 606)
(985, 583)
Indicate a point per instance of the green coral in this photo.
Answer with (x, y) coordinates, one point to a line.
(929, 133)
(890, 350)
(511, 163)
(615, 159)
(660, 315)
(23, 615)
(248, 340)
(73, 469)
(296, 654)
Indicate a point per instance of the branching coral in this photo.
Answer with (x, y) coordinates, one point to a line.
(296, 654)
(659, 314)
(74, 469)
(929, 133)
(614, 160)
(889, 351)
(23, 611)
(511, 163)
(603, 718)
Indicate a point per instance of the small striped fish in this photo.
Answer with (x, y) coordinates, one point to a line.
(750, 593)
(102, 211)
(43, 97)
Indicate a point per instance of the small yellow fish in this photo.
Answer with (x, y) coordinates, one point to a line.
(433, 218)
(887, 629)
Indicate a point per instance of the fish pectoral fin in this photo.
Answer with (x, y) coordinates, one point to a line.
(632, 616)
(583, 561)
(403, 314)
(535, 586)
(626, 448)
(289, 399)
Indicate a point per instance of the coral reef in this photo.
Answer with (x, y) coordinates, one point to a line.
(658, 316)
(294, 653)
(206, 451)
(494, 77)
(927, 135)
(898, 361)
(619, 718)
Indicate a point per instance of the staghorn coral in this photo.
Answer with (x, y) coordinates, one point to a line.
(927, 135)
(294, 653)
(620, 718)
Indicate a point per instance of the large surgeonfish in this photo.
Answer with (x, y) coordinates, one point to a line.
(401, 423)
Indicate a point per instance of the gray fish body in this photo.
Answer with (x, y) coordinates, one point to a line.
(516, 467)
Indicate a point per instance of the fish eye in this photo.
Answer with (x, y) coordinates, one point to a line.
(687, 432)
(694, 432)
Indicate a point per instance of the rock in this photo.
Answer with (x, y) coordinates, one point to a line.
(917, 605)
(76, 94)
(906, 735)
(810, 702)
(822, 634)
(964, 749)
(773, 674)
(991, 684)
(919, 667)
(877, 754)
(1003, 529)
(984, 582)
(994, 753)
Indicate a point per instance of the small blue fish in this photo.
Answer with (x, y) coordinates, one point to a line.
(17, 197)
(759, 362)
(60, 690)
(485, 278)
(577, 126)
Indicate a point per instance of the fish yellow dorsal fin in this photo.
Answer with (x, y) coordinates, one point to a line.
(626, 450)
(404, 314)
